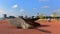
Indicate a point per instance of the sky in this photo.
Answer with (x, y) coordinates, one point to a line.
(29, 7)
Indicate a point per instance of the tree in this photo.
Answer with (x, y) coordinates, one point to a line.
(54, 15)
(41, 16)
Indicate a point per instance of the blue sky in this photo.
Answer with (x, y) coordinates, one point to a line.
(29, 7)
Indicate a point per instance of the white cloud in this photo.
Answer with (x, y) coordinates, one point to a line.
(44, 0)
(2, 11)
(15, 6)
(57, 10)
(45, 7)
(22, 11)
(34, 8)
(9, 13)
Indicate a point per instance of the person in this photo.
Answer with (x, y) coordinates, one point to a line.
(49, 19)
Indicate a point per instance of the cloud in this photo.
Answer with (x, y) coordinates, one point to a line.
(9, 13)
(44, 0)
(34, 8)
(1, 10)
(15, 6)
(45, 7)
(57, 10)
(22, 11)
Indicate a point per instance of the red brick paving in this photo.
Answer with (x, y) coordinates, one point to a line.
(6, 28)
(54, 26)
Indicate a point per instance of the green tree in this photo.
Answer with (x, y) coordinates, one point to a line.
(41, 16)
(54, 15)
